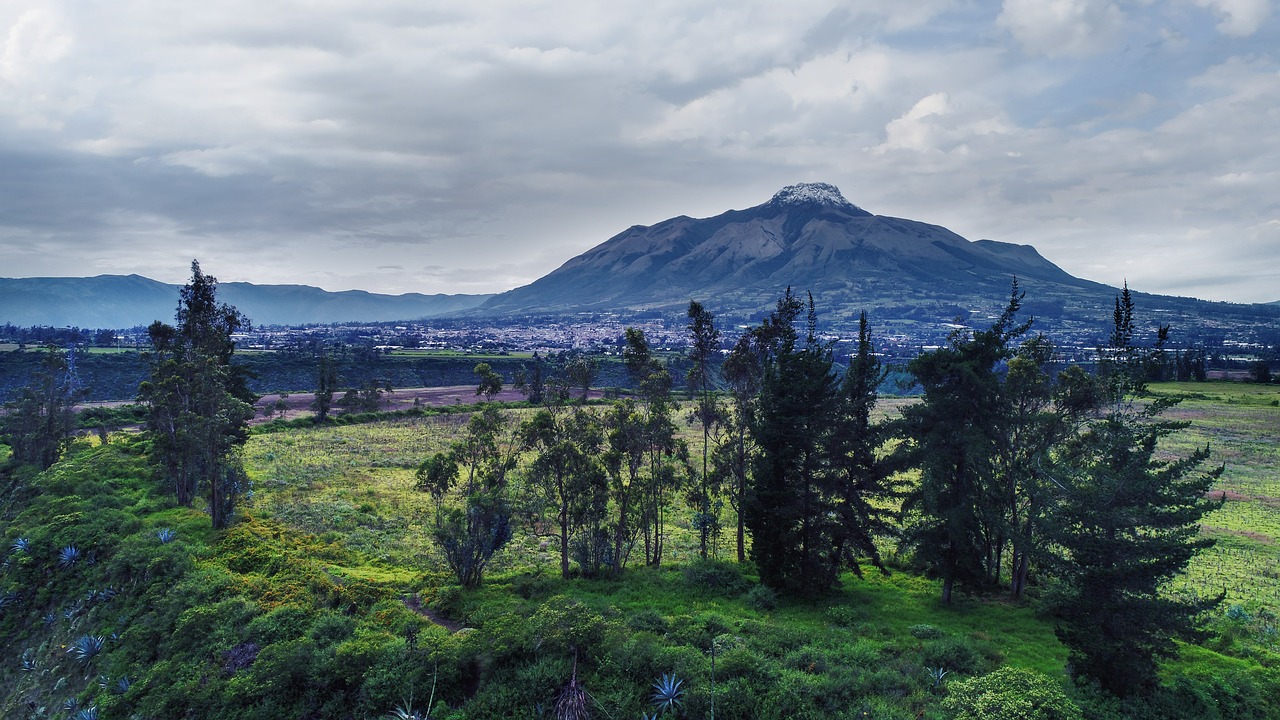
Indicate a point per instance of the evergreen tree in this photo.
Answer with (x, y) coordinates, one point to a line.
(788, 510)
(862, 480)
(38, 423)
(326, 384)
(732, 459)
(565, 468)
(954, 514)
(1127, 522)
(705, 340)
(472, 534)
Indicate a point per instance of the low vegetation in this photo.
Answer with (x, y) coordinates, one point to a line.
(566, 560)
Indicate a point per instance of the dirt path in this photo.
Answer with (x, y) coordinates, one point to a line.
(413, 603)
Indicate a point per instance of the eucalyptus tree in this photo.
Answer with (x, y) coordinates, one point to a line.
(704, 342)
(38, 423)
(471, 533)
(199, 404)
(566, 468)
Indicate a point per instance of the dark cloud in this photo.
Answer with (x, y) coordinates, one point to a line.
(398, 147)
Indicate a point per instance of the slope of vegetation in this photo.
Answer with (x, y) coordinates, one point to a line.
(314, 604)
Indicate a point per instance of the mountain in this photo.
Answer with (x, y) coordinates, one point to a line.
(807, 236)
(810, 238)
(121, 301)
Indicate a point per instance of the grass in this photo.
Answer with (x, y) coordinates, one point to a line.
(306, 606)
(1241, 426)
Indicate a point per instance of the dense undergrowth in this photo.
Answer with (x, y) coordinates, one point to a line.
(324, 601)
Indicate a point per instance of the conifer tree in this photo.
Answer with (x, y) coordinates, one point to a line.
(1127, 523)
(954, 520)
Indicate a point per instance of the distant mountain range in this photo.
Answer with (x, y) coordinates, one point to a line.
(912, 278)
(122, 301)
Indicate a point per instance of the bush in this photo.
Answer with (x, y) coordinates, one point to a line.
(1010, 694)
(715, 576)
(953, 654)
(925, 631)
(761, 597)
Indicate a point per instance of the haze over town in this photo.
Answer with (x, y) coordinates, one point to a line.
(410, 147)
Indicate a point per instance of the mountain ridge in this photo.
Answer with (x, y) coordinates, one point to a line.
(122, 301)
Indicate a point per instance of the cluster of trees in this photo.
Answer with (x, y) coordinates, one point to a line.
(199, 403)
(1009, 471)
(1008, 464)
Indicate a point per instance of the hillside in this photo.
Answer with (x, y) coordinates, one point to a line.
(327, 600)
(123, 301)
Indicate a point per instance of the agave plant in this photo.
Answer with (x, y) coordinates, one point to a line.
(68, 556)
(71, 704)
(9, 597)
(86, 648)
(122, 685)
(89, 713)
(50, 618)
(29, 662)
(667, 693)
(937, 674)
(166, 535)
(21, 545)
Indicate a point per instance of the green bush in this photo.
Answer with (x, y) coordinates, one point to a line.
(924, 631)
(956, 655)
(1010, 694)
(716, 577)
(761, 597)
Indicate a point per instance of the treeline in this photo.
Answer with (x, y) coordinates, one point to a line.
(1007, 473)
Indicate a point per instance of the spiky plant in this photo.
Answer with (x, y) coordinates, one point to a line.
(937, 674)
(572, 701)
(29, 662)
(667, 693)
(21, 545)
(86, 648)
(71, 704)
(89, 713)
(122, 685)
(166, 535)
(68, 556)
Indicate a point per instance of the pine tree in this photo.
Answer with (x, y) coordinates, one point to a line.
(954, 514)
(788, 509)
(1127, 523)
(862, 479)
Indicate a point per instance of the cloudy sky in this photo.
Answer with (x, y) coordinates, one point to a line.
(419, 146)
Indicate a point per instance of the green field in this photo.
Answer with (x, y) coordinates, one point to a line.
(328, 600)
(1241, 425)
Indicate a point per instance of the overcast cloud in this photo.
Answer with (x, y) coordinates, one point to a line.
(410, 146)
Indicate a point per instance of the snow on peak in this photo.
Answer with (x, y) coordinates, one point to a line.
(823, 194)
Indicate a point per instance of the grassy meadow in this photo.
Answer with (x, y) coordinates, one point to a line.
(328, 600)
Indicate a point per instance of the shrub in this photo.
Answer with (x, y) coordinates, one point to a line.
(1010, 694)
(953, 654)
(761, 597)
(716, 577)
(648, 620)
(924, 631)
